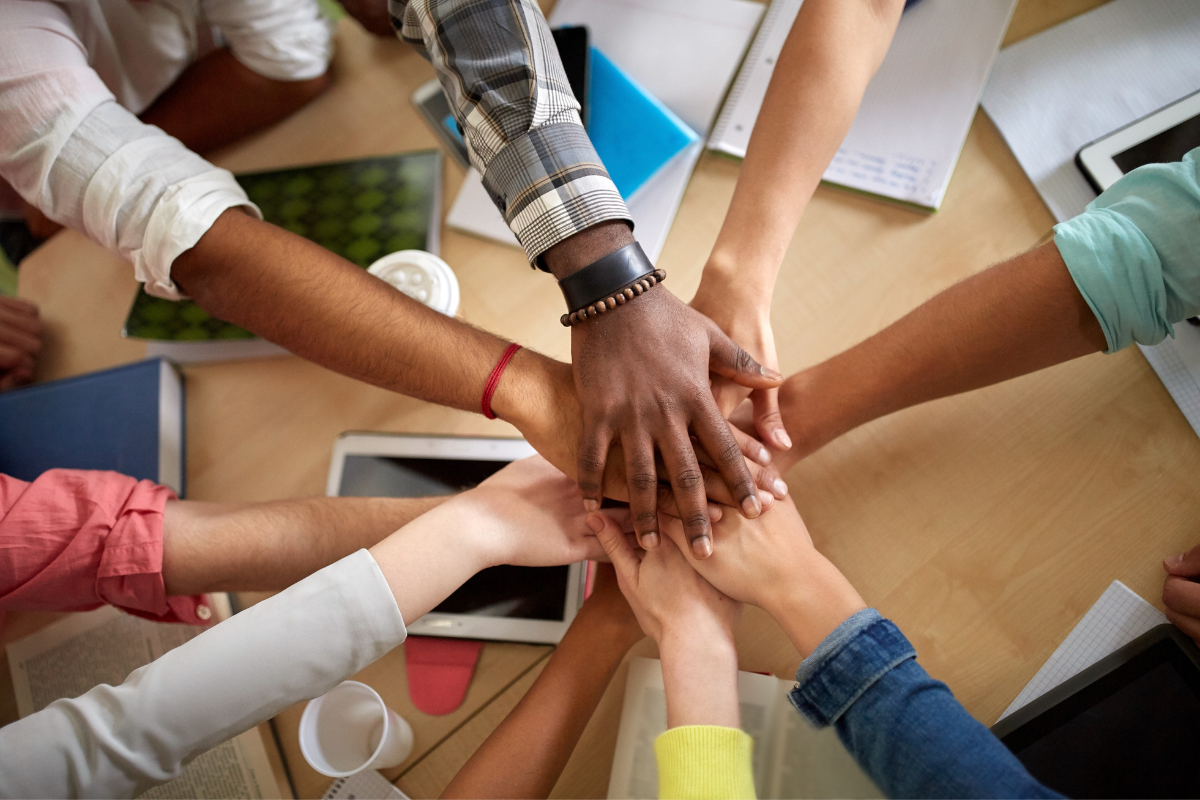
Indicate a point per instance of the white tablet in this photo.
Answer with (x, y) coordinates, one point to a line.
(1164, 136)
(516, 604)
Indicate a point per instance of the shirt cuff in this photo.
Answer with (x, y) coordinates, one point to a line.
(184, 213)
(1118, 272)
(846, 664)
(705, 761)
(550, 185)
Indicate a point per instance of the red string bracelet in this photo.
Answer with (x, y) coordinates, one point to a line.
(494, 379)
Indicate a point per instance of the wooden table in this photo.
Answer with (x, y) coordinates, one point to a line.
(984, 524)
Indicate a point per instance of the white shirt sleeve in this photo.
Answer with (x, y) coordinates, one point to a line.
(287, 40)
(69, 149)
(120, 741)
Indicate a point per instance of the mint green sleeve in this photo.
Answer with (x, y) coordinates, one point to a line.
(1134, 253)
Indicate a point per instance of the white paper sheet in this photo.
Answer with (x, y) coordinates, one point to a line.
(1055, 92)
(916, 111)
(1116, 619)
(685, 53)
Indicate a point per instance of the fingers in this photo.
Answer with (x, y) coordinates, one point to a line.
(751, 448)
(730, 361)
(1185, 565)
(624, 558)
(593, 456)
(642, 478)
(1189, 625)
(668, 507)
(687, 482)
(18, 377)
(1182, 596)
(767, 419)
(714, 436)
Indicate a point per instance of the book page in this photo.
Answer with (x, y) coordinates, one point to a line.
(70, 657)
(807, 762)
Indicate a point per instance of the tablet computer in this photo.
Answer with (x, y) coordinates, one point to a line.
(1127, 726)
(1159, 138)
(517, 604)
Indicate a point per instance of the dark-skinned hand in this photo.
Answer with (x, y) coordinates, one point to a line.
(642, 374)
(20, 341)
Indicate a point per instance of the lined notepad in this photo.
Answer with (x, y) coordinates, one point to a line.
(1116, 619)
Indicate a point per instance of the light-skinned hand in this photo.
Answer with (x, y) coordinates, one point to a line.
(770, 562)
(1181, 592)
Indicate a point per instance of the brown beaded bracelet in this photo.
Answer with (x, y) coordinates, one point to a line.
(617, 298)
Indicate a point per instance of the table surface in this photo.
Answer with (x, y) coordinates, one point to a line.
(985, 525)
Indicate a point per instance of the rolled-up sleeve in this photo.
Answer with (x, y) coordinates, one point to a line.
(286, 40)
(1134, 253)
(497, 62)
(69, 149)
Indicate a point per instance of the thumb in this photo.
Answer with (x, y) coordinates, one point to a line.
(767, 419)
(728, 360)
(1184, 565)
(613, 540)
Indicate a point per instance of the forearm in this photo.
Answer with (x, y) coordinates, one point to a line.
(812, 607)
(323, 308)
(699, 664)
(1016, 317)
(220, 547)
(248, 102)
(831, 53)
(526, 753)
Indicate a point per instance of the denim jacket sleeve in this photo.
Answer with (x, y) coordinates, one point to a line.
(904, 728)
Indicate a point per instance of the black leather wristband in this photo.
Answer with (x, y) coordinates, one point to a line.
(605, 276)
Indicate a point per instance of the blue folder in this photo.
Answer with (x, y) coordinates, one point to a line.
(129, 420)
(634, 134)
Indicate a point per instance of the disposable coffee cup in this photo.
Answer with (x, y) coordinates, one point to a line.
(422, 276)
(349, 729)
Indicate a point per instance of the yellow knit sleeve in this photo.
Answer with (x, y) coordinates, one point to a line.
(704, 762)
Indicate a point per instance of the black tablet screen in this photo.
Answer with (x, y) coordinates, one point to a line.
(1133, 733)
(1170, 145)
(522, 592)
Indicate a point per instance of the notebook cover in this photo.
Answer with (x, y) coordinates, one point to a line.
(104, 420)
(634, 134)
(360, 209)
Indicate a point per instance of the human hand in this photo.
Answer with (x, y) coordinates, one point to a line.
(372, 15)
(539, 396)
(745, 316)
(642, 372)
(1181, 592)
(530, 515)
(607, 612)
(771, 563)
(690, 620)
(20, 342)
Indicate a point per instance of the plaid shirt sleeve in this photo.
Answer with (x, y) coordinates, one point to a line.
(500, 69)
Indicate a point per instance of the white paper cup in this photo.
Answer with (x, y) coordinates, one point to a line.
(422, 276)
(349, 729)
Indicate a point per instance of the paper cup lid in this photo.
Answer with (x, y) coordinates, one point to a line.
(422, 276)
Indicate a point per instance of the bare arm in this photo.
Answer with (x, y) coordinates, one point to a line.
(1016, 317)
(831, 53)
(217, 547)
(247, 101)
(526, 753)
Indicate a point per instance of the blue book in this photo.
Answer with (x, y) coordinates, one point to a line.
(128, 420)
(634, 134)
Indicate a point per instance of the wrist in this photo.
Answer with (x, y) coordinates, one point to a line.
(727, 284)
(812, 607)
(700, 679)
(576, 252)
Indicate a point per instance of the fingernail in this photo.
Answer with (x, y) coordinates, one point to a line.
(702, 547)
(590, 505)
(763, 457)
(770, 373)
(595, 523)
(715, 513)
(780, 488)
(751, 507)
(1174, 561)
(649, 540)
(766, 499)
(783, 439)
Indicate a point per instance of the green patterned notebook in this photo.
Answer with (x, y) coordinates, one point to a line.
(361, 210)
